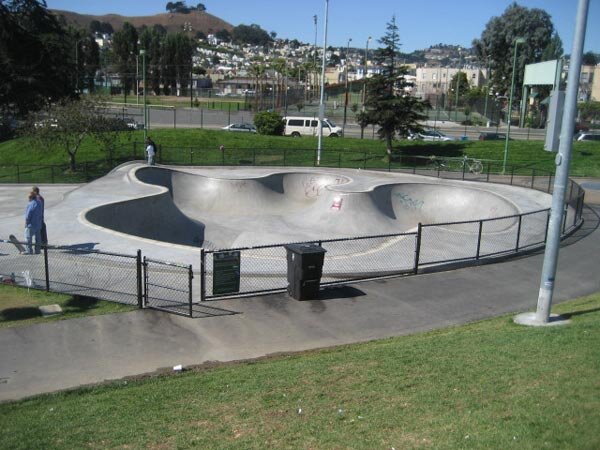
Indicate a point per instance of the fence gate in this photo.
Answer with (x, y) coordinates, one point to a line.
(168, 287)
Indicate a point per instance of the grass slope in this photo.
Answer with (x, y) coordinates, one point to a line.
(490, 384)
(19, 306)
(200, 147)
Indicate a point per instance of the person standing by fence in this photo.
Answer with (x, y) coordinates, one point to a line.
(33, 223)
(150, 151)
(44, 232)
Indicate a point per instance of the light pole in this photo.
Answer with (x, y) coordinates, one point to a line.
(313, 79)
(364, 99)
(322, 100)
(457, 87)
(346, 90)
(510, 99)
(143, 54)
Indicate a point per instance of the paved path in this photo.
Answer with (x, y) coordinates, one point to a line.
(65, 354)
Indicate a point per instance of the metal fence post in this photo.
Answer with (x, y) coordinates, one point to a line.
(418, 248)
(190, 278)
(138, 265)
(479, 239)
(45, 247)
(284, 157)
(487, 177)
(512, 175)
(549, 183)
(464, 166)
(201, 118)
(519, 232)
(547, 225)
(202, 275)
(532, 178)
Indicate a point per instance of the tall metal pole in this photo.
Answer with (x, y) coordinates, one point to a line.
(313, 75)
(364, 99)
(143, 53)
(346, 90)
(137, 80)
(510, 100)
(563, 159)
(322, 101)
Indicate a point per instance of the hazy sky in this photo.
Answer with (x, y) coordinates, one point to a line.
(421, 23)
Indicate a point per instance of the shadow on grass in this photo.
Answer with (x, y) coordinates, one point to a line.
(568, 315)
(80, 303)
(14, 314)
(416, 154)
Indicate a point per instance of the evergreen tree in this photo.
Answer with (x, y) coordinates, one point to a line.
(389, 105)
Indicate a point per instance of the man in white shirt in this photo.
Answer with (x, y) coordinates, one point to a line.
(150, 151)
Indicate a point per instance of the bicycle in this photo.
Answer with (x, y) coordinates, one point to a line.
(470, 165)
(465, 164)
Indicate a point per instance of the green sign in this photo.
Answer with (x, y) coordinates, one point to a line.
(226, 273)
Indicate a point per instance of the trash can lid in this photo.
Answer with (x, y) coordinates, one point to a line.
(305, 248)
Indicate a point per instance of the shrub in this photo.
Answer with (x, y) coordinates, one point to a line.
(269, 122)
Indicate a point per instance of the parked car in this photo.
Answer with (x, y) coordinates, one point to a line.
(243, 127)
(297, 126)
(431, 135)
(492, 137)
(586, 136)
(131, 123)
(50, 122)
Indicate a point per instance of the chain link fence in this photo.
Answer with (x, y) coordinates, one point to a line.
(168, 286)
(252, 270)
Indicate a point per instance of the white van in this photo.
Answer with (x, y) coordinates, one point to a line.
(307, 126)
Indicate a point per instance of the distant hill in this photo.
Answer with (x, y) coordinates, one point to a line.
(173, 22)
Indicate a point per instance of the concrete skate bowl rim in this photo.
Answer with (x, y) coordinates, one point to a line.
(512, 211)
(166, 191)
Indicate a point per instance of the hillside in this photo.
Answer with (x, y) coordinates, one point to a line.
(199, 21)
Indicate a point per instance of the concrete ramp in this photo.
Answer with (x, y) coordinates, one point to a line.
(198, 210)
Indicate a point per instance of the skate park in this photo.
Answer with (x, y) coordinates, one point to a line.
(368, 222)
(115, 346)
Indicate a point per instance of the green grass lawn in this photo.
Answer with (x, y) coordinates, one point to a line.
(19, 306)
(490, 384)
(201, 147)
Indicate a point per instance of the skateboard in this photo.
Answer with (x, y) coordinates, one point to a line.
(16, 243)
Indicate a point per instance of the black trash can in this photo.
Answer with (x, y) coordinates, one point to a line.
(304, 270)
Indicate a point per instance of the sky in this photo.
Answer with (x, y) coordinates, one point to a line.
(421, 24)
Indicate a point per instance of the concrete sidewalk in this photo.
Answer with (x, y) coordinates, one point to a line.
(65, 354)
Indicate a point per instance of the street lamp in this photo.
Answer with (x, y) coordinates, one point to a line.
(143, 55)
(518, 41)
(346, 93)
(322, 99)
(364, 99)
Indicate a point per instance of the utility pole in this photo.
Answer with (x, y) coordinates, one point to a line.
(322, 101)
(346, 90)
(563, 158)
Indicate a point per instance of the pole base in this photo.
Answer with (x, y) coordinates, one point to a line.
(530, 319)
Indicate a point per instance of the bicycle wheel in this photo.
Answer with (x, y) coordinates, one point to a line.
(476, 167)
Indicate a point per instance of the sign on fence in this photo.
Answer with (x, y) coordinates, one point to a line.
(226, 272)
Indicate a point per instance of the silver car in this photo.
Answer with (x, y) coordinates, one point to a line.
(431, 135)
(243, 127)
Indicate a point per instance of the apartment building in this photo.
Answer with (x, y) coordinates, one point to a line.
(435, 80)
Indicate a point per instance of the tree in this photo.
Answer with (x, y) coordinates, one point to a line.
(125, 49)
(495, 47)
(590, 59)
(250, 34)
(589, 111)
(36, 57)
(388, 103)
(176, 58)
(223, 35)
(200, 7)
(269, 122)
(459, 80)
(70, 122)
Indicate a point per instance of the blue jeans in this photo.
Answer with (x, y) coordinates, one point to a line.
(30, 233)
